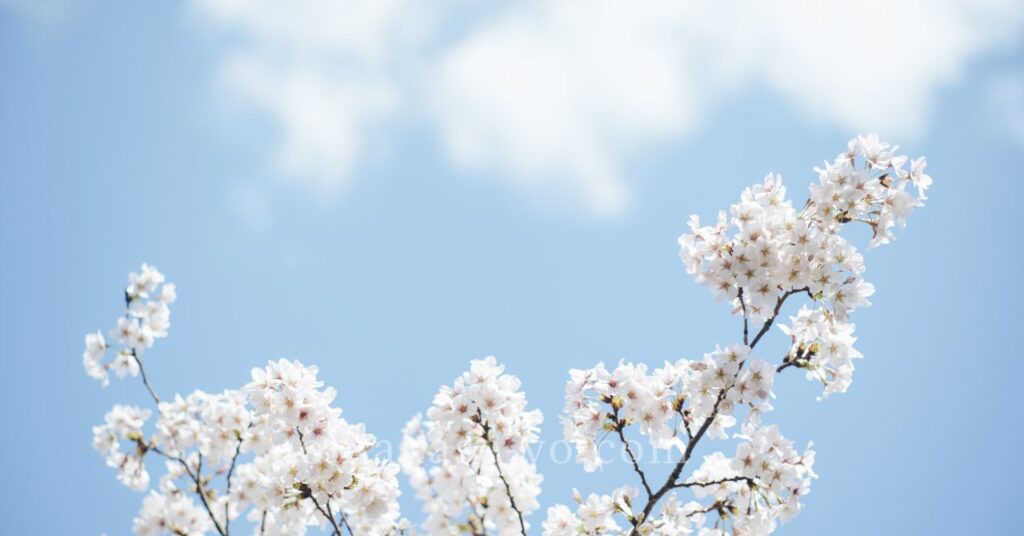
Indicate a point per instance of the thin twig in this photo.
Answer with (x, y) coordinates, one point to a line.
(673, 477)
(145, 380)
(784, 366)
(227, 492)
(128, 317)
(344, 523)
(197, 479)
(619, 426)
(749, 481)
(775, 313)
(341, 515)
(308, 493)
(717, 505)
(743, 304)
(501, 475)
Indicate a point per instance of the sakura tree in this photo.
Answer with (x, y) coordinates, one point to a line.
(277, 452)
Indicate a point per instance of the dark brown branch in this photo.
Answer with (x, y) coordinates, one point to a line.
(718, 506)
(308, 493)
(197, 480)
(508, 489)
(775, 313)
(743, 304)
(142, 371)
(749, 481)
(784, 366)
(145, 380)
(673, 477)
(344, 521)
(619, 426)
(227, 492)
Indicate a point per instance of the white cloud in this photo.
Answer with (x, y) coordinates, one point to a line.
(329, 74)
(555, 97)
(874, 65)
(322, 117)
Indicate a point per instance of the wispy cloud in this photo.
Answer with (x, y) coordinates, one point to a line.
(328, 74)
(554, 98)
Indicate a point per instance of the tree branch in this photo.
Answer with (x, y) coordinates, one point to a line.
(749, 481)
(501, 475)
(775, 313)
(619, 426)
(227, 492)
(145, 380)
(197, 480)
(344, 521)
(673, 477)
(308, 493)
(743, 304)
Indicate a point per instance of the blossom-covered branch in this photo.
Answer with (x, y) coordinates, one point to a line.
(289, 462)
(470, 451)
(288, 457)
(757, 256)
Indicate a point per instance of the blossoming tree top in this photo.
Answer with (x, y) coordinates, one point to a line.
(278, 453)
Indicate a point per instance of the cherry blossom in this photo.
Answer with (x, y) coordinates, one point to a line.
(289, 460)
(467, 460)
(757, 255)
(277, 452)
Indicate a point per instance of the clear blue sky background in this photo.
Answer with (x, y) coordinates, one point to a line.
(112, 153)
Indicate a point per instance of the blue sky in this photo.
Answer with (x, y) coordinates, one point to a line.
(430, 215)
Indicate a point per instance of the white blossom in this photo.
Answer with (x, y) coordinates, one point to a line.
(665, 405)
(170, 513)
(278, 453)
(144, 321)
(471, 445)
(119, 440)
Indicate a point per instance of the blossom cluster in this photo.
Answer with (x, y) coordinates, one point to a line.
(668, 404)
(759, 254)
(146, 318)
(305, 450)
(118, 439)
(823, 346)
(278, 453)
(614, 514)
(171, 512)
(467, 460)
(289, 459)
(675, 405)
(765, 250)
(762, 483)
